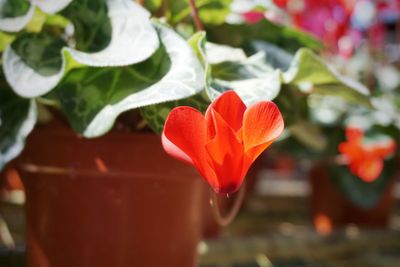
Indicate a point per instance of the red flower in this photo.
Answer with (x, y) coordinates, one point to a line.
(224, 143)
(365, 161)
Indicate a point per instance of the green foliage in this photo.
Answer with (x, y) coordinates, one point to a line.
(40, 51)
(211, 12)
(114, 58)
(91, 22)
(5, 40)
(153, 5)
(15, 8)
(17, 118)
(240, 35)
(156, 115)
(311, 74)
(92, 98)
(84, 92)
(362, 194)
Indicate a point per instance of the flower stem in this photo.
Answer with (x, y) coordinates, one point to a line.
(196, 18)
(227, 219)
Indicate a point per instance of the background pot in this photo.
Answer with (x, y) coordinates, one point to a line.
(332, 208)
(118, 200)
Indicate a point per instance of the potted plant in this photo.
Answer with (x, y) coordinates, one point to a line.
(357, 184)
(118, 199)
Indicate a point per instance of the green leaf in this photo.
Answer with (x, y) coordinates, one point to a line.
(92, 25)
(362, 194)
(5, 40)
(37, 21)
(33, 64)
(40, 52)
(17, 119)
(251, 84)
(155, 115)
(212, 12)
(152, 5)
(52, 7)
(13, 8)
(308, 72)
(250, 77)
(274, 55)
(15, 14)
(29, 80)
(309, 135)
(239, 35)
(92, 98)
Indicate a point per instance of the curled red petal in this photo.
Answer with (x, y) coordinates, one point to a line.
(226, 154)
(230, 107)
(174, 151)
(184, 137)
(262, 124)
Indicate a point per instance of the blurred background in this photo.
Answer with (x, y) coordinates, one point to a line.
(310, 200)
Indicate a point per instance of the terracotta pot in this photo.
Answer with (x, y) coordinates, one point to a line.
(331, 208)
(118, 201)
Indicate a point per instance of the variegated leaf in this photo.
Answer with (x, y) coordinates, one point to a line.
(93, 98)
(124, 48)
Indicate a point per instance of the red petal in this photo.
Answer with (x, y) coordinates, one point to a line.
(184, 137)
(369, 169)
(230, 107)
(174, 151)
(226, 153)
(262, 124)
(352, 150)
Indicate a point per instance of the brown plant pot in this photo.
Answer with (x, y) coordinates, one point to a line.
(331, 208)
(118, 201)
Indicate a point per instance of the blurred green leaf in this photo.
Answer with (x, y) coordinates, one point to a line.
(308, 72)
(276, 57)
(240, 35)
(37, 21)
(211, 12)
(5, 40)
(152, 5)
(57, 20)
(309, 134)
(15, 14)
(362, 194)
(13, 8)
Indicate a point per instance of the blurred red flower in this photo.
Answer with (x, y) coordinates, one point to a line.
(224, 143)
(252, 17)
(365, 160)
(329, 20)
